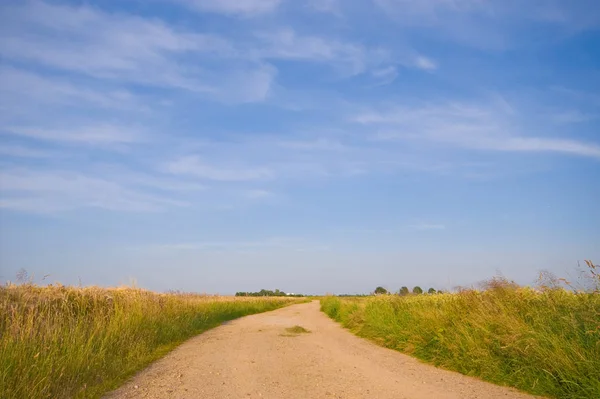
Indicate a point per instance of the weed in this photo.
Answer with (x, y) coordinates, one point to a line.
(297, 330)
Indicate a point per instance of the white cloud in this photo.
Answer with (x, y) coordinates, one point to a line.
(428, 226)
(91, 135)
(52, 191)
(252, 85)
(127, 49)
(319, 144)
(385, 75)
(25, 152)
(469, 22)
(195, 166)
(257, 194)
(350, 58)
(326, 6)
(572, 116)
(466, 126)
(541, 145)
(233, 7)
(491, 24)
(20, 86)
(430, 9)
(425, 63)
(111, 46)
(143, 180)
(271, 243)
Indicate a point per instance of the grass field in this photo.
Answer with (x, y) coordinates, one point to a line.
(546, 342)
(64, 342)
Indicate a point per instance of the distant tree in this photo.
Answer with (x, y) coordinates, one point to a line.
(380, 290)
(404, 291)
(417, 290)
(431, 291)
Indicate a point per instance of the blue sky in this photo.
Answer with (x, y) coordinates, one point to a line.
(310, 146)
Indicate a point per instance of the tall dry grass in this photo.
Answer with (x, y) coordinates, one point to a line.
(65, 342)
(543, 341)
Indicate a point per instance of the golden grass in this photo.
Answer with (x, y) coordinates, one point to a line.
(64, 342)
(546, 342)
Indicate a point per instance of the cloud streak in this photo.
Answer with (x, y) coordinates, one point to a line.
(122, 48)
(55, 191)
(195, 166)
(245, 8)
(428, 226)
(88, 135)
(270, 243)
(491, 25)
(468, 126)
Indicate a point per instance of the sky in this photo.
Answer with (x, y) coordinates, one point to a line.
(315, 146)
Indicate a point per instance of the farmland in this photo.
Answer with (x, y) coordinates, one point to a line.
(84, 342)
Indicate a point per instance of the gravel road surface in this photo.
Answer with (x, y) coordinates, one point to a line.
(256, 357)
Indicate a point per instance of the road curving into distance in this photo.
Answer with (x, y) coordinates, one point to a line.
(257, 357)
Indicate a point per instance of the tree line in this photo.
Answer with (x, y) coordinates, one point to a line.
(405, 291)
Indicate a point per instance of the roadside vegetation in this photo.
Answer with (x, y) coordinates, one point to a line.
(67, 342)
(543, 340)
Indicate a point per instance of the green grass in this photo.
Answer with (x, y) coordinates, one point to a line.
(297, 330)
(63, 342)
(544, 342)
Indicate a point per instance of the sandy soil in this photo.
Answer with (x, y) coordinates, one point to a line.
(255, 357)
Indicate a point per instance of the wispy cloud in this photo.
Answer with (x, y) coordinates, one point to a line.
(195, 166)
(428, 226)
(492, 25)
(90, 135)
(53, 191)
(245, 8)
(573, 116)
(20, 151)
(385, 75)
(22, 86)
(87, 40)
(326, 6)
(467, 126)
(125, 48)
(270, 243)
(539, 145)
(351, 58)
(319, 144)
(258, 194)
(425, 63)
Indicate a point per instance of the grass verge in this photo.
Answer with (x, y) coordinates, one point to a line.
(545, 342)
(64, 342)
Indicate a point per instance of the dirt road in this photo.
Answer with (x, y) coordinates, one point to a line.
(255, 357)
